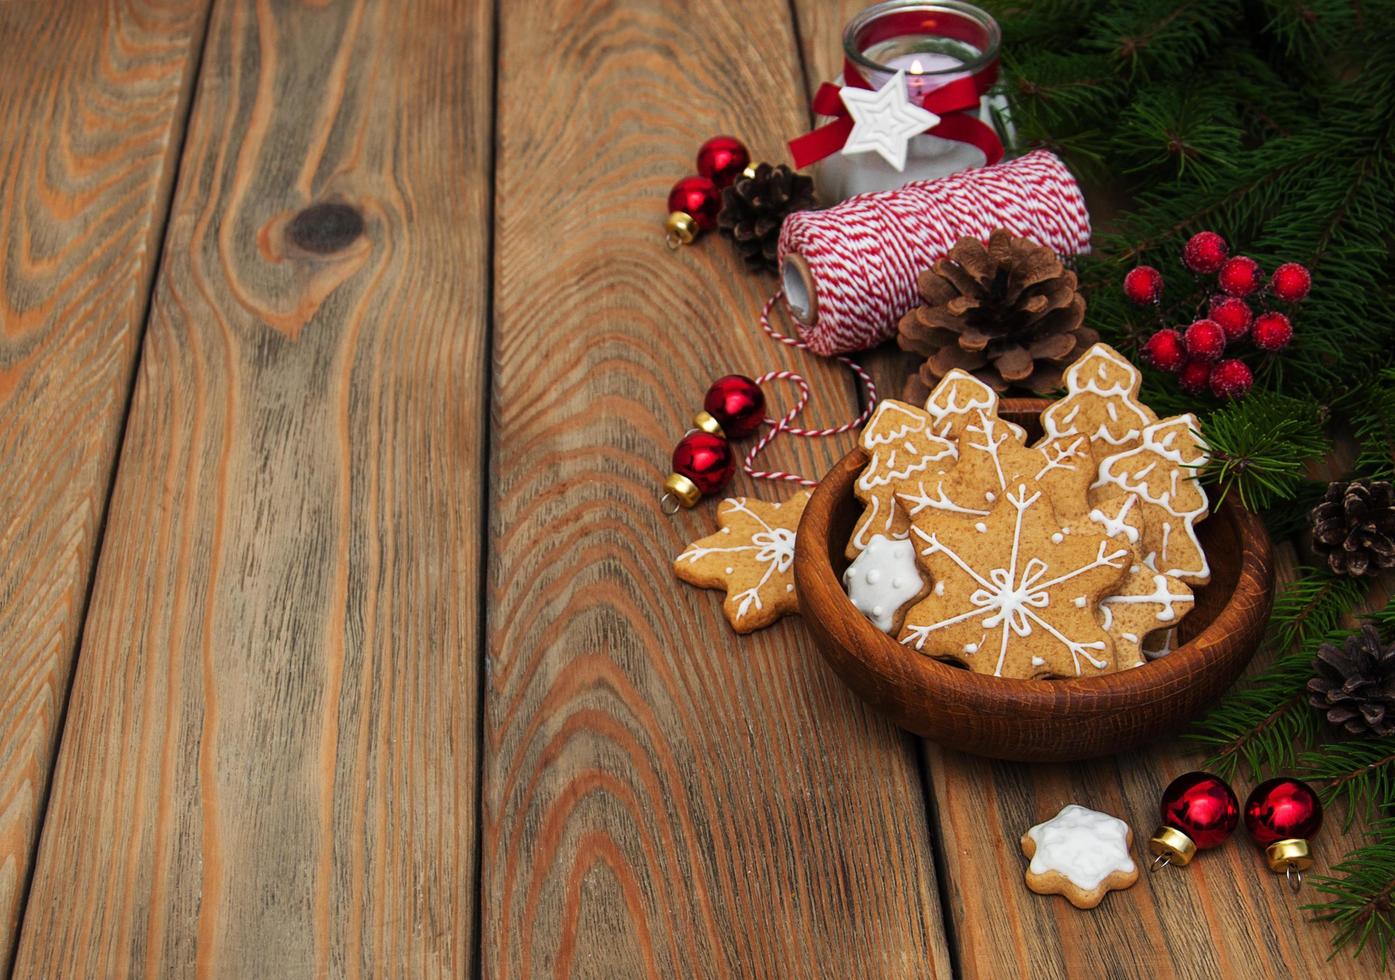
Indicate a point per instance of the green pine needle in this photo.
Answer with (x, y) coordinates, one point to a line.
(1361, 896)
(1260, 445)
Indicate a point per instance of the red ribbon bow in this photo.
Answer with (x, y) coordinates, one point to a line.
(956, 103)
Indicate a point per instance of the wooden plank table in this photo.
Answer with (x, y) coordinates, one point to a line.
(340, 358)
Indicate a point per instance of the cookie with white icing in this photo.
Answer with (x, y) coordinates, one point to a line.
(751, 556)
(1162, 471)
(900, 446)
(1101, 413)
(883, 581)
(1080, 854)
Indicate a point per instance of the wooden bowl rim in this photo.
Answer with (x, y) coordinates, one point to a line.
(890, 659)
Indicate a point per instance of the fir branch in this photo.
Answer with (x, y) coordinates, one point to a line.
(1259, 447)
(1358, 772)
(1361, 894)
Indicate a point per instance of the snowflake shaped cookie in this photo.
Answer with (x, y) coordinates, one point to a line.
(751, 557)
(883, 581)
(1080, 854)
(1101, 406)
(1014, 593)
(1162, 470)
(899, 446)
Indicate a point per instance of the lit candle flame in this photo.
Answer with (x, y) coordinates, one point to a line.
(917, 68)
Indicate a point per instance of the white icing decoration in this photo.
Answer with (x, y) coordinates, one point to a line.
(922, 500)
(981, 527)
(730, 569)
(882, 579)
(1080, 601)
(989, 496)
(1084, 845)
(1038, 662)
(1161, 595)
(1010, 597)
(1118, 524)
(1106, 374)
(1057, 538)
(774, 547)
(939, 588)
(945, 410)
(971, 648)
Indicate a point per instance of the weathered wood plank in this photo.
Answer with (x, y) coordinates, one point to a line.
(661, 797)
(270, 759)
(92, 106)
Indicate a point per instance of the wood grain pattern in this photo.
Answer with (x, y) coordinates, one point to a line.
(270, 757)
(662, 798)
(1035, 720)
(92, 105)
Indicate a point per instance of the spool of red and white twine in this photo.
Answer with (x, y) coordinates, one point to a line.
(849, 273)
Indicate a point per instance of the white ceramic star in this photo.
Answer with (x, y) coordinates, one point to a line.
(885, 120)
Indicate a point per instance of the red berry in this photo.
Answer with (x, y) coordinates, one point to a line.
(1291, 282)
(1234, 316)
(1143, 285)
(1272, 331)
(1205, 340)
(1205, 252)
(1195, 377)
(1231, 379)
(1240, 276)
(1165, 350)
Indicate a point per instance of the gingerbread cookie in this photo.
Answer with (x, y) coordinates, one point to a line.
(1162, 471)
(1145, 600)
(1080, 854)
(899, 446)
(1100, 412)
(751, 557)
(884, 581)
(957, 400)
(1015, 591)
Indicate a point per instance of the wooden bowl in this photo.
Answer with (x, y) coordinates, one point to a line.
(1041, 720)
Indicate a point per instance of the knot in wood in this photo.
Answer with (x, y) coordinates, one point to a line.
(325, 228)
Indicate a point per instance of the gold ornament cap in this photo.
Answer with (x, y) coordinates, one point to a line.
(708, 424)
(1171, 844)
(749, 171)
(1289, 855)
(681, 229)
(684, 490)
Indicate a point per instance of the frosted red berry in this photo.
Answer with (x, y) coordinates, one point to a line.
(1205, 252)
(1165, 350)
(1195, 377)
(1240, 276)
(1143, 285)
(1291, 282)
(1272, 331)
(1233, 314)
(1205, 340)
(1231, 379)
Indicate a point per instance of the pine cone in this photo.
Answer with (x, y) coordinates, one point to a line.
(754, 207)
(1355, 684)
(1008, 313)
(1354, 527)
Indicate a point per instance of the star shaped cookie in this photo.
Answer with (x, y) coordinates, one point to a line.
(1080, 854)
(751, 556)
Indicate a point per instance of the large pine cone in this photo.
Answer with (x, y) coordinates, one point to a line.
(753, 208)
(1354, 527)
(1007, 312)
(1355, 684)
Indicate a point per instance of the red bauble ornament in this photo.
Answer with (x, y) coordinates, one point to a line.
(1282, 816)
(1291, 282)
(693, 204)
(1205, 252)
(702, 465)
(1198, 812)
(1272, 331)
(735, 404)
(721, 160)
(1195, 377)
(1143, 285)
(1205, 340)
(1231, 379)
(1165, 350)
(1240, 276)
(1233, 314)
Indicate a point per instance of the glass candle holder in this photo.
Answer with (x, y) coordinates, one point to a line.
(934, 44)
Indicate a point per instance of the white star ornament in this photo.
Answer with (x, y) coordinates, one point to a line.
(884, 121)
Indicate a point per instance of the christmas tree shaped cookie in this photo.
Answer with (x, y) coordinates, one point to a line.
(1014, 595)
(900, 445)
(751, 557)
(1162, 471)
(1101, 413)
